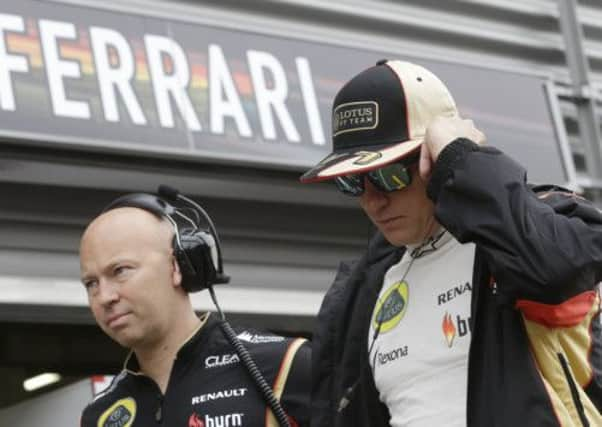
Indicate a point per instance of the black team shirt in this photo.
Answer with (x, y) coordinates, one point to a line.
(209, 386)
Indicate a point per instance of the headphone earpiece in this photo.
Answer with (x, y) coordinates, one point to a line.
(196, 250)
(212, 245)
(196, 261)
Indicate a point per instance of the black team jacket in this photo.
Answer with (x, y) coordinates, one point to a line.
(536, 351)
(209, 386)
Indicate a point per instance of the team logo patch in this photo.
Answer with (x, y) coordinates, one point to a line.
(195, 421)
(354, 116)
(229, 420)
(391, 308)
(222, 394)
(220, 360)
(449, 330)
(258, 339)
(121, 414)
(455, 328)
(382, 358)
(367, 157)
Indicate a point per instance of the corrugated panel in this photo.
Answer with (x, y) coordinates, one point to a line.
(523, 36)
(499, 33)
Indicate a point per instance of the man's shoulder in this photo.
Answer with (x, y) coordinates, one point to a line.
(270, 348)
(256, 336)
(266, 342)
(265, 347)
(568, 203)
(544, 191)
(113, 398)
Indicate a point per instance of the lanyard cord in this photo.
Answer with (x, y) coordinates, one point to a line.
(427, 246)
(251, 367)
(417, 252)
(381, 318)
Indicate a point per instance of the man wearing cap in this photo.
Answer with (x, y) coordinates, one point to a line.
(476, 302)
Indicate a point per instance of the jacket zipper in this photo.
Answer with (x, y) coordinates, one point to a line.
(574, 392)
(159, 410)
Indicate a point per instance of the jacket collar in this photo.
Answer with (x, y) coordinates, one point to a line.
(431, 244)
(379, 247)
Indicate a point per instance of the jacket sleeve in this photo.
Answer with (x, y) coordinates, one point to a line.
(323, 396)
(546, 248)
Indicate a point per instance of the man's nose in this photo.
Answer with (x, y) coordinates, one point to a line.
(107, 292)
(373, 199)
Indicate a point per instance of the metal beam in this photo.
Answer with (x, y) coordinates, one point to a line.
(585, 103)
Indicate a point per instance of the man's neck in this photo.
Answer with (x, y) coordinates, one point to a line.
(156, 361)
(433, 229)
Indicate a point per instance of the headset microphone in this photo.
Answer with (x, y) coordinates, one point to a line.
(169, 193)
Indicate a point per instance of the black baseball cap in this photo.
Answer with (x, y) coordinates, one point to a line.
(381, 116)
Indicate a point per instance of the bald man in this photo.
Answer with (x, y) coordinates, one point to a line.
(181, 370)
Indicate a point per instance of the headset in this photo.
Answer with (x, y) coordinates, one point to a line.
(196, 247)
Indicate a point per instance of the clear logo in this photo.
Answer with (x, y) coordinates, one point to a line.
(221, 360)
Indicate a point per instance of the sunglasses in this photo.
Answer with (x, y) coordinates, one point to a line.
(392, 177)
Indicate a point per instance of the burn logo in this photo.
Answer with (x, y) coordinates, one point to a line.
(195, 421)
(449, 330)
(460, 328)
(229, 420)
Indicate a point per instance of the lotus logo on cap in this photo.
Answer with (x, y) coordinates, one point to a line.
(354, 116)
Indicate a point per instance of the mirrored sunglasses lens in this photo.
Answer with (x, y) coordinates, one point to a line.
(391, 178)
(351, 185)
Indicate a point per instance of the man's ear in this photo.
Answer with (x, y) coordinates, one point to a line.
(176, 273)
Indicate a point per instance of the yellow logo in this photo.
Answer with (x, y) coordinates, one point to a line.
(391, 308)
(121, 414)
(367, 157)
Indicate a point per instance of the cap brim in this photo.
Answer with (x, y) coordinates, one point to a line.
(357, 161)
